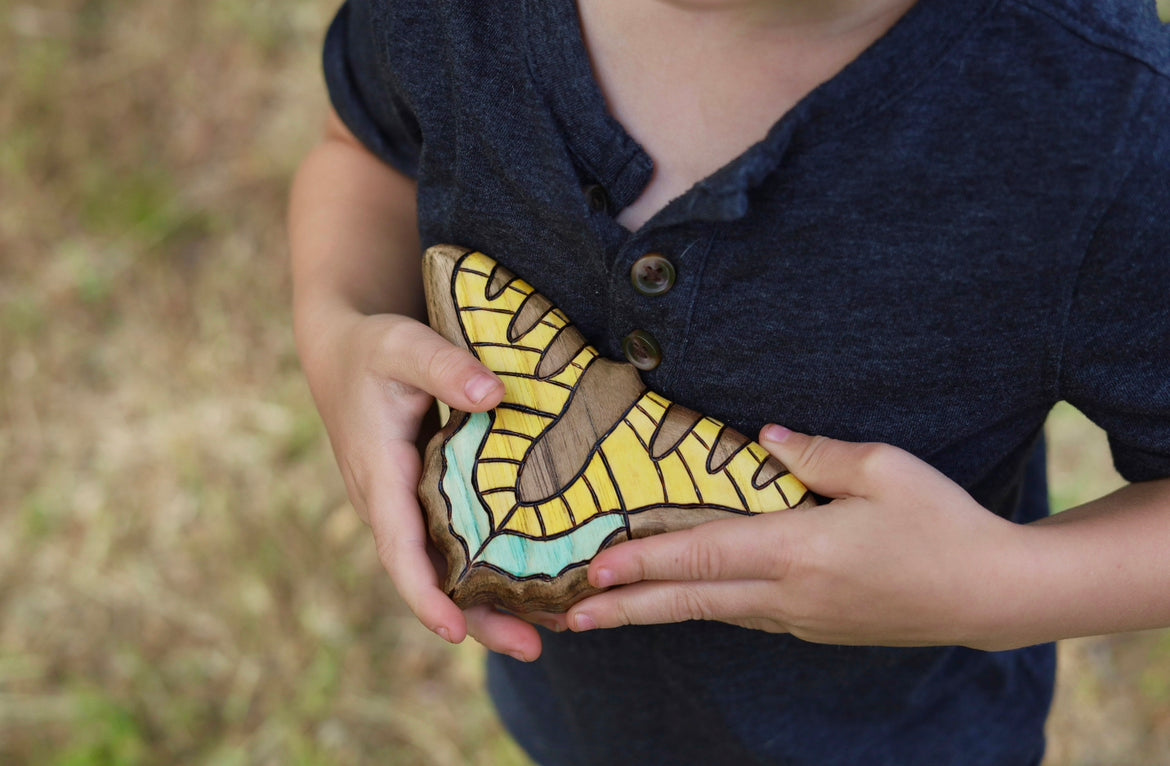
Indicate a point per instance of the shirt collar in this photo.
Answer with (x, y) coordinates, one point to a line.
(896, 63)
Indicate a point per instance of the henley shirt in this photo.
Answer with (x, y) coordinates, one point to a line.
(968, 224)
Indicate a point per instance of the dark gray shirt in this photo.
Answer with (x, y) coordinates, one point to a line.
(968, 224)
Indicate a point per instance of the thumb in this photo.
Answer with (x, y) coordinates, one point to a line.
(826, 466)
(420, 357)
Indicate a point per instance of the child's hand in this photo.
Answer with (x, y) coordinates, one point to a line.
(902, 556)
(374, 379)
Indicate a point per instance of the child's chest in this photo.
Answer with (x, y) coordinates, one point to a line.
(696, 95)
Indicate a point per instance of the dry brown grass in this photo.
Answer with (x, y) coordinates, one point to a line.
(1113, 692)
(180, 581)
(180, 578)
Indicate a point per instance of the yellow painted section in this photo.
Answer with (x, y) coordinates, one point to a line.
(642, 423)
(525, 522)
(578, 497)
(513, 359)
(572, 372)
(793, 487)
(506, 445)
(640, 478)
(654, 404)
(636, 476)
(707, 430)
(658, 399)
(556, 516)
(541, 334)
(741, 469)
(500, 504)
(607, 497)
(471, 290)
(715, 488)
(535, 393)
(679, 487)
(521, 422)
(495, 475)
(484, 327)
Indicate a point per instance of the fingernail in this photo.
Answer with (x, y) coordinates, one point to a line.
(479, 387)
(444, 634)
(583, 622)
(604, 578)
(776, 434)
(518, 656)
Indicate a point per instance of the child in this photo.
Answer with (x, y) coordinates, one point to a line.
(911, 227)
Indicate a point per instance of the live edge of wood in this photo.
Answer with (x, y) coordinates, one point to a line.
(482, 584)
(477, 585)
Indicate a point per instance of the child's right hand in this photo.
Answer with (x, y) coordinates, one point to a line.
(374, 378)
(374, 369)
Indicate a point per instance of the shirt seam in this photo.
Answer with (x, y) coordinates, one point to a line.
(1129, 137)
(689, 315)
(611, 177)
(810, 134)
(1101, 39)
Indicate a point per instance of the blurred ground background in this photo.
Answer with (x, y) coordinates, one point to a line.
(181, 580)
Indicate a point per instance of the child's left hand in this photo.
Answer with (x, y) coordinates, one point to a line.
(901, 556)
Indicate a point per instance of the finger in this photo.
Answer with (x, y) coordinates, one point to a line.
(503, 633)
(742, 548)
(554, 621)
(830, 467)
(655, 603)
(418, 356)
(401, 540)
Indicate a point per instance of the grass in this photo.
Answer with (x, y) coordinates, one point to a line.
(1113, 692)
(181, 580)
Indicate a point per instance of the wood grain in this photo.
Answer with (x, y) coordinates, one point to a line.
(579, 456)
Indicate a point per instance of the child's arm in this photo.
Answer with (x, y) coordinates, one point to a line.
(373, 367)
(903, 557)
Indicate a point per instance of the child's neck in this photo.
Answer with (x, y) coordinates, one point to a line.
(697, 82)
(802, 17)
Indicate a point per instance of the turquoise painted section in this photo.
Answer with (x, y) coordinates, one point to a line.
(471, 522)
(469, 518)
(525, 557)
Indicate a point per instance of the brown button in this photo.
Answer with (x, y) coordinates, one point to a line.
(642, 350)
(652, 274)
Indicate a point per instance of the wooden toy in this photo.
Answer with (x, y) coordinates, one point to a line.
(578, 456)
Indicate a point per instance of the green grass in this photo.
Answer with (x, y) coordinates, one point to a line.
(1079, 465)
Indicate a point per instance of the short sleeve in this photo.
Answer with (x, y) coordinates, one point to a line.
(1116, 360)
(363, 90)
